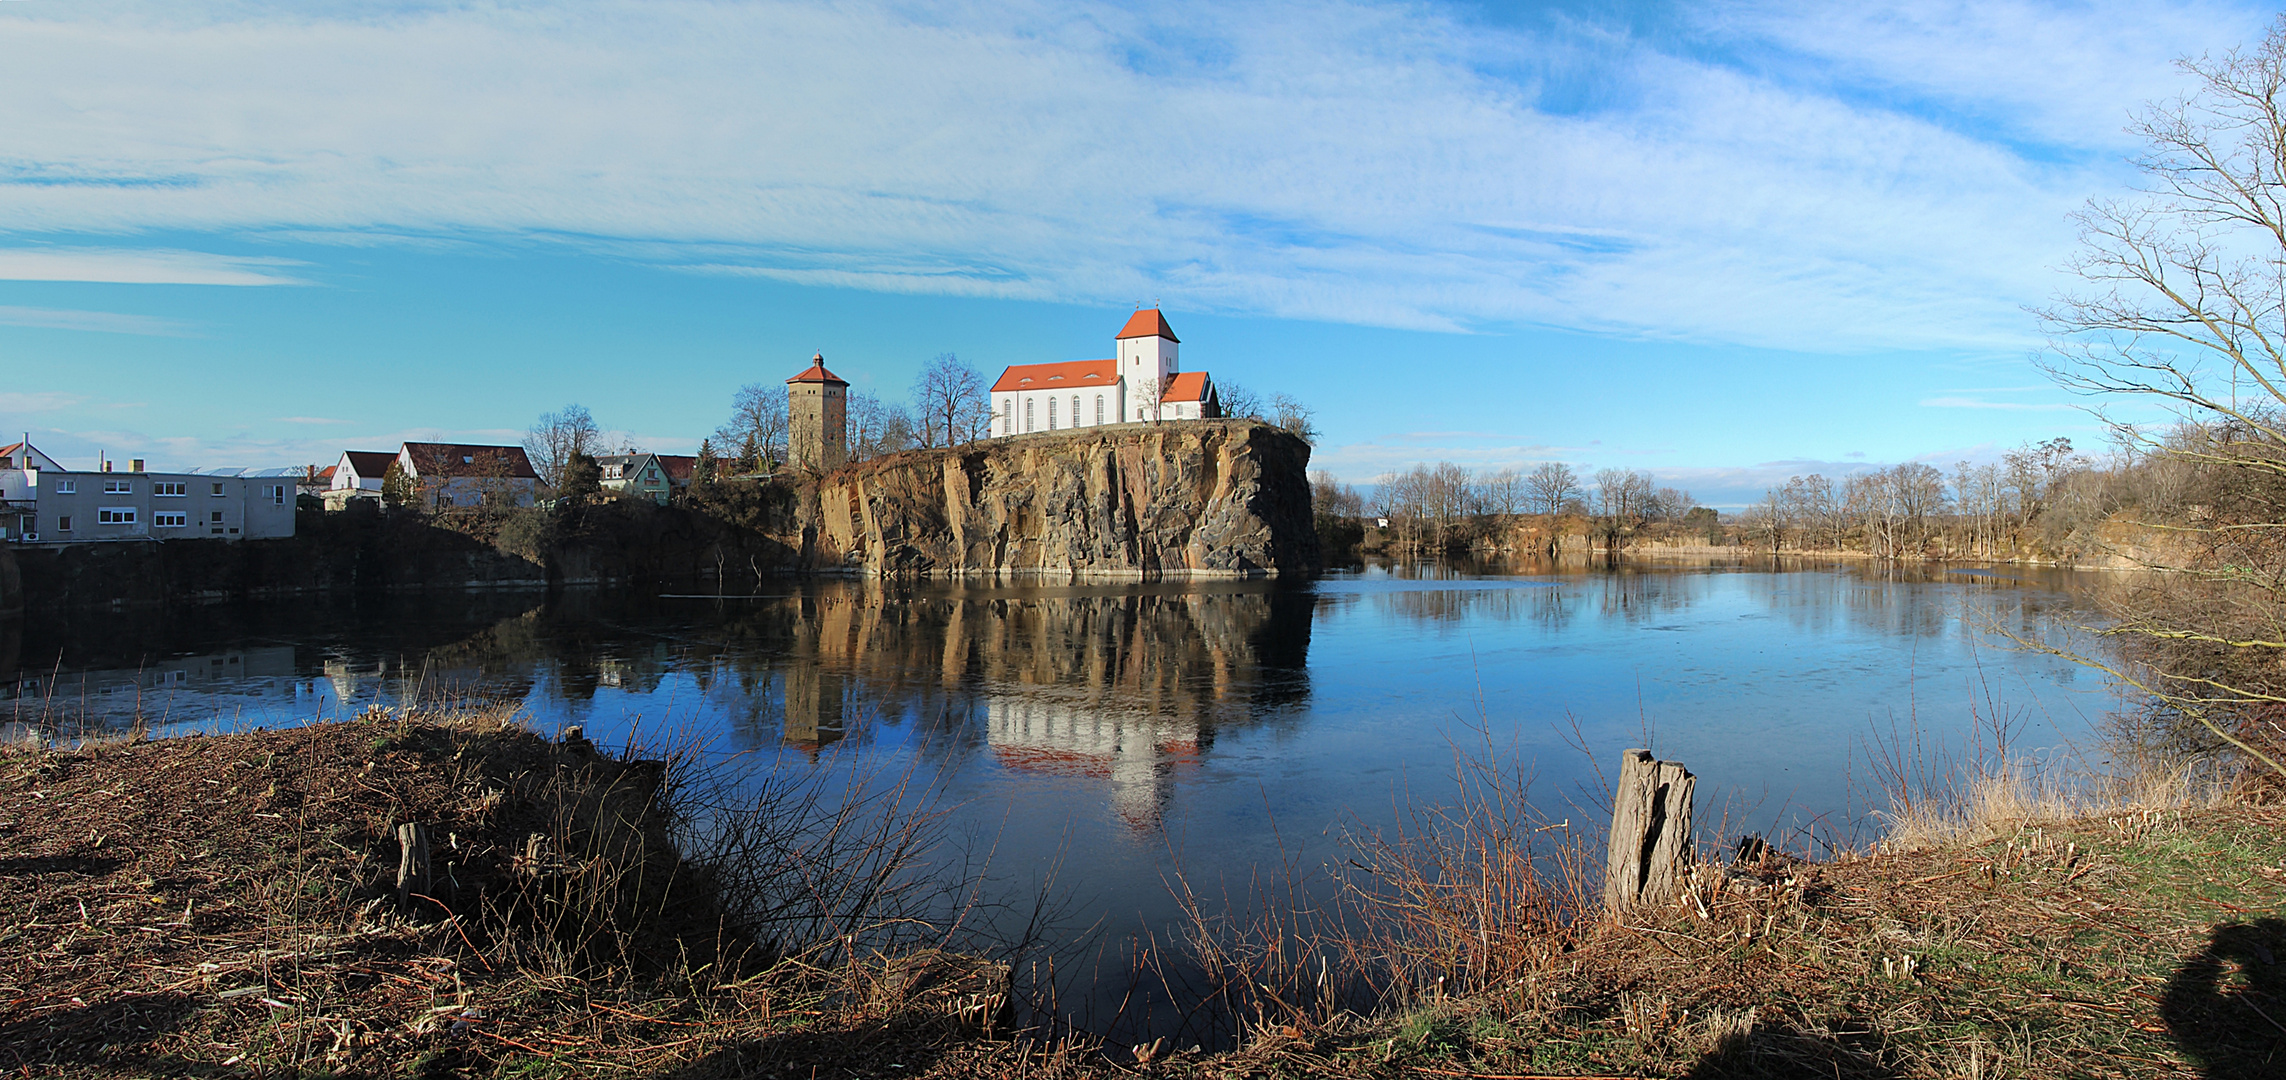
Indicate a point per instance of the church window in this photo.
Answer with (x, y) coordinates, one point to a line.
(1027, 414)
(1051, 414)
(1075, 410)
(1099, 408)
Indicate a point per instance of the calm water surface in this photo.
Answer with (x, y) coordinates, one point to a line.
(1121, 731)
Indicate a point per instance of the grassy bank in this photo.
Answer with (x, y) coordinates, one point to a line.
(227, 906)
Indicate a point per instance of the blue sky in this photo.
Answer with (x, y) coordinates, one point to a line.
(1717, 242)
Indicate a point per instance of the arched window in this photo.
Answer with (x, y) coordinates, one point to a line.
(1008, 416)
(1051, 414)
(1075, 410)
(1099, 408)
(1027, 414)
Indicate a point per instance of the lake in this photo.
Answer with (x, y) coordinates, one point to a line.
(1108, 735)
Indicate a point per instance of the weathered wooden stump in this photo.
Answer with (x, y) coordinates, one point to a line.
(1650, 831)
(412, 863)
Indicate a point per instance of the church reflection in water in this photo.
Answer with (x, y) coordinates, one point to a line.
(1122, 688)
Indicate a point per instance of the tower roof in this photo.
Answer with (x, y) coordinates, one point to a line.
(1148, 323)
(817, 372)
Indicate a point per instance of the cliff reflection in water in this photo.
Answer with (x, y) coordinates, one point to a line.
(1123, 688)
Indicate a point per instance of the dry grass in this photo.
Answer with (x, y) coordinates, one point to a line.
(225, 906)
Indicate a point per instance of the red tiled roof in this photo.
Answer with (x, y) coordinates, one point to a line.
(326, 473)
(817, 372)
(468, 459)
(1185, 386)
(1148, 323)
(679, 466)
(368, 464)
(1058, 376)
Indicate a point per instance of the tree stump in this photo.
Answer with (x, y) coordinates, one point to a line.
(412, 863)
(1650, 831)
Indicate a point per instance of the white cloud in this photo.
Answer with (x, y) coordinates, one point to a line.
(1978, 403)
(108, 322)
(25, 401)
(139, 267)
(1347, 162)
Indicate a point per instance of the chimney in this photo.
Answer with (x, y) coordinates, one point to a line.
(135, 465)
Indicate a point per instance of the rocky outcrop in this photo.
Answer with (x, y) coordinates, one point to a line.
(1220, 498)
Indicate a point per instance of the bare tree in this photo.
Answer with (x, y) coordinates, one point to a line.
(953, 405)
(1238, 402)
(756, 430)
(555, 438)
(877, 427)
(1147, 394)
(2184, 289)
(1552, 485)
(1288, 412)
(1501, 493)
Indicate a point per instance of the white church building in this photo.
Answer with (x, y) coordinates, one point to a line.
(1143, 384)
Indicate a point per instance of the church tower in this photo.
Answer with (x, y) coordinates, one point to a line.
(817, 414)
(1146, 356)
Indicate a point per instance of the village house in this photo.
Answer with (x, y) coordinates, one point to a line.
(635, 474)
(1144, 383)
(357, 475)
(462, 475)
(41, 502)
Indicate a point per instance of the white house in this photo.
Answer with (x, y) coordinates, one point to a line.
(45, 503)
(469, 474)
(1144, 383)
(357, 475)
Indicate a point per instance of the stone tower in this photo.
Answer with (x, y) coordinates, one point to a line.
(817, 415)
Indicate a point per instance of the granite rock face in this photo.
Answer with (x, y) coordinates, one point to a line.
(1217, 498)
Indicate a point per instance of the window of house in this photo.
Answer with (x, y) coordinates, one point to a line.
(1075, 410)
(169, 488)
(217, 517)
(67, 487)
(63, 524)
(278, 495)
(115, 515)
(217, 491)
(1099, 408)
(170, 520)
(1027, 414)
(1051, 414)
(118, 487)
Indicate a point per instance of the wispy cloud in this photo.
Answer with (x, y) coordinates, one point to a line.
(1978, 403)
(107, 322)
(1390, 164)
(125, 266)
(35, 401)
(311, 420)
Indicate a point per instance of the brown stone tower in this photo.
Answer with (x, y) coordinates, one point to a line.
(817, 414)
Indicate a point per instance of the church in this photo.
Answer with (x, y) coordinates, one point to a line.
(1144, 383)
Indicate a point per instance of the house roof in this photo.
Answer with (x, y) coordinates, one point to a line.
(1148, 323)
(817, 372)
(469, 459)
(679, 466)
(31, 451)
(1186, 386)
(368, 464)
(325, 473)
(1058, 376)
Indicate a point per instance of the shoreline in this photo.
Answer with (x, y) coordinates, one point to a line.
(225, 905)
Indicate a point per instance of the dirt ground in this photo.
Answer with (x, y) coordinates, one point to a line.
(227, 906)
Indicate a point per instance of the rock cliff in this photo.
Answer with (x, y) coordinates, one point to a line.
(1221, 498)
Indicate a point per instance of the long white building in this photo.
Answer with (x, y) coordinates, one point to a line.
(1143, 384)
(42, 502)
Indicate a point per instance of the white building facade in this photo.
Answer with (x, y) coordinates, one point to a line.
(43, 503)
(1144, 383)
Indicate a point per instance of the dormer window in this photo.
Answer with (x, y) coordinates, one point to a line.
(467, 459)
